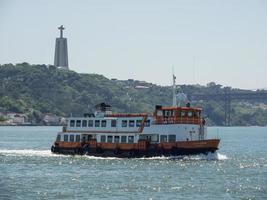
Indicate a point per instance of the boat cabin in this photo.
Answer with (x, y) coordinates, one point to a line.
(177, 115)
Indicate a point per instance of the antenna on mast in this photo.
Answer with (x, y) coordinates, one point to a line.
(174, 101)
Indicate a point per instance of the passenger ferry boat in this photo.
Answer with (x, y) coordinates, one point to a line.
(169, 131)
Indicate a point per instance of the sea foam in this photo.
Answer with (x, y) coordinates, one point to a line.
(27, 152)
(48, 153)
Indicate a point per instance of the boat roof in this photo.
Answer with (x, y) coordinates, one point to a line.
(127, 115)
(179, 108)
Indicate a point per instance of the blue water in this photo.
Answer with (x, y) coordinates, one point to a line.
(29, 171)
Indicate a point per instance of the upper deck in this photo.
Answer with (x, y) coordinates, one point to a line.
(113, 123)
(177, 115)
(136, 122)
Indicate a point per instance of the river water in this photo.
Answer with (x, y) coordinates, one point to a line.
(29, 171)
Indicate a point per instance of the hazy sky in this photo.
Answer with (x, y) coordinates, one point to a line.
(222, 41)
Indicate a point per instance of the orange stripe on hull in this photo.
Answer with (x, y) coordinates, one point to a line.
(212, 143)
(68, 144)
(142, 145)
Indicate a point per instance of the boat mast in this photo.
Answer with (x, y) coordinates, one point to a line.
(174, 101)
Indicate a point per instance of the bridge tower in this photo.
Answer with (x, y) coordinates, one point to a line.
(227, 110)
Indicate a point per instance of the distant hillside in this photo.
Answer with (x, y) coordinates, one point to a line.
(38, 89)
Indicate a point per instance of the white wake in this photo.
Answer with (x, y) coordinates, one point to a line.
(209, 156)
(27, 152)
(48, 153)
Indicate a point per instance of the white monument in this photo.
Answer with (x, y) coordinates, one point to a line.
(61, 51)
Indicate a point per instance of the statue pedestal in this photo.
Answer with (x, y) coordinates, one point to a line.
(61, 53)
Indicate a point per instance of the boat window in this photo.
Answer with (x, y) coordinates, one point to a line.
(97, 123)
(66, 138)
(172, 138)
(163, 138)
(113, 123)
(167, 113)
(116, 139)
(58, 138)
(83, 138)
(131, 123)
(124, 123)
(78, 123)
(190, 114)
(147, 123)
(72, 123)
(71, 138)
(84, 123)
(90, 123)
(197, 114)
(143, 137)
(138, 123)
(123, 139)
(159, 113)
(78, 138)
(103, 138)
(182, 113)
(155, 138)
(110, 138)
(130, 139)
(103, 123)
(89, 137)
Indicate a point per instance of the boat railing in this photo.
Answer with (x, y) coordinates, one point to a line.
(177, 120)
(128, 115)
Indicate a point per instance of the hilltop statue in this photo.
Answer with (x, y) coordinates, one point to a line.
(61, 51)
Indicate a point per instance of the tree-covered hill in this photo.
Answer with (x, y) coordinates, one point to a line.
(38, 89)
